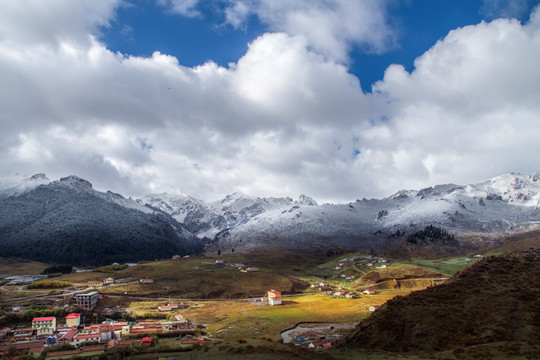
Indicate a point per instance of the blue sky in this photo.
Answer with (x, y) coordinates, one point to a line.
(143, 27)
(335, 99)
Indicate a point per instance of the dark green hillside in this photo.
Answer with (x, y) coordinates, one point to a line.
(69, 222)
(494, 300)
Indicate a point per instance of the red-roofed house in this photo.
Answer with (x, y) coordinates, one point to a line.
(105, 331)
(139, 330)
(274, 297)
(146, 341)
(67, 337)
(119, 325)
(44, 325)
(73, 320)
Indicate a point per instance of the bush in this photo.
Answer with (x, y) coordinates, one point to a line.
(49, 284)
(110, 268)
(63, 269)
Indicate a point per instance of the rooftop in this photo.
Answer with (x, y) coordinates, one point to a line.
(50, 318)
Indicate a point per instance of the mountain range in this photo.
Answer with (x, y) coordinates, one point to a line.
(69, 221)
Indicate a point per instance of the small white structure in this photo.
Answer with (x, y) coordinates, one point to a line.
(274, 297)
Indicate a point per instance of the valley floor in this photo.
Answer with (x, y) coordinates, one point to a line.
(226, 305)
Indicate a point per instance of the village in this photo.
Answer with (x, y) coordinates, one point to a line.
(98, 322)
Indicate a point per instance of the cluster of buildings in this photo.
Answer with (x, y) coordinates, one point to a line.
(23, 279)
(313, 340)
(72, 332)
(98, 283)
(97, 337)
(246, 268)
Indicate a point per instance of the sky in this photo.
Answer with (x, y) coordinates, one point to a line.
(335, 99)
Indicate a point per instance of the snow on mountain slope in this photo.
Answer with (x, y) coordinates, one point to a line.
(206, 220)
(18, 184)
(303, 226)
(196, 215)
(67, 221)
(516, 189)
(507, 203)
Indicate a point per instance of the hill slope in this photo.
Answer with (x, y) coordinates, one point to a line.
(67, 221)
(496, 299)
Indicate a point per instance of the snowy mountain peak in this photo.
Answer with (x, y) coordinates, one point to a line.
(18, 184)
(305, 200)
(235, 197)
(39, 177)
(402, 194)
(514, 188)
(75, 181)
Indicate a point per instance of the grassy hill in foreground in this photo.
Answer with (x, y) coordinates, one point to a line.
(494, 300)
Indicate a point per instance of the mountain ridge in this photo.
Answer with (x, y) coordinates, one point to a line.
(67, 221)
(503, 205)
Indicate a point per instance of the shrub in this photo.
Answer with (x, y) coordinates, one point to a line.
(110, 268)
(63, 269)
(49, 284)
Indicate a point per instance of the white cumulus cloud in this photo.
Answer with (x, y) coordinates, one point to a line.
(286, 118)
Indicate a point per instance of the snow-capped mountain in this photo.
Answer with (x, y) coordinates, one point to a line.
(238, 208)
(206, 220)
(502, 205)
(18, 184)
(67, 221)
(58, 214)
(197, 216)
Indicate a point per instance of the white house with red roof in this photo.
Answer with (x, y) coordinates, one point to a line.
(44, 325)
(73, 320)
(274, 297)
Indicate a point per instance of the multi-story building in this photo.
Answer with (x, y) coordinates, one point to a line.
(87, 301)
(44, 325)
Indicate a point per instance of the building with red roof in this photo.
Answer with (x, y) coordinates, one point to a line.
(44, 326)
(73, 320)
(146, 341)
(274, 297)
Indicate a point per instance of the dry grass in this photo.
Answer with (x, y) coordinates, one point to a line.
(195, 277)
(21, 267)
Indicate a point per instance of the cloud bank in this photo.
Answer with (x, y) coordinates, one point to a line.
(286, 118)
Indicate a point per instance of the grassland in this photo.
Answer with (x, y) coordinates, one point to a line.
(447, 266)
(198, 277)
(217, 295)
(21, 267)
